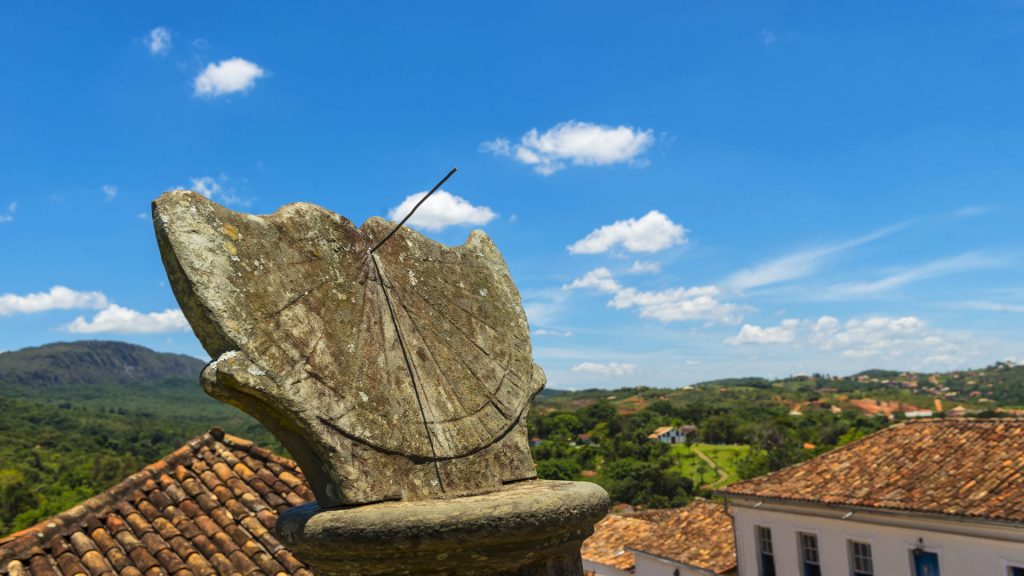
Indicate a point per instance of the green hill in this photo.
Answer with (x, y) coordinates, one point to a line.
(77, 417)
(81, 364)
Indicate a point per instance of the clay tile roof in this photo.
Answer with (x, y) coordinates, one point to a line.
(698, 535)
(207, 508)
(660, 431)
(611, 535)
(957, 467)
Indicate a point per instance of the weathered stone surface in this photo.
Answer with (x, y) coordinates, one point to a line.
(402, 374)
(531, 528)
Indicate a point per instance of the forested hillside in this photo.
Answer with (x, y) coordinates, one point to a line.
(77, 417)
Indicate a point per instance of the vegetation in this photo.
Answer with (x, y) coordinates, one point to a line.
(77, 418)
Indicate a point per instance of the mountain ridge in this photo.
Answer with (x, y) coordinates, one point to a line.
(90, 362)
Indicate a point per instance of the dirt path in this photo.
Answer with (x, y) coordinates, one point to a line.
(723, 476)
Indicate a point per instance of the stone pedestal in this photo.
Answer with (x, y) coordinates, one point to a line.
(530, 528)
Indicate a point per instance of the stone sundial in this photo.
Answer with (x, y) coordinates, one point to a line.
(401, 374)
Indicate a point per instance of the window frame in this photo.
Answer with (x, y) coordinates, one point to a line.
(808, 554)
(851, 547)
(763, 535)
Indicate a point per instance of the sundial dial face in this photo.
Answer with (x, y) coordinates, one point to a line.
(405, 373)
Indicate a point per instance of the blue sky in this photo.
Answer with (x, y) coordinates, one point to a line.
(691, 191)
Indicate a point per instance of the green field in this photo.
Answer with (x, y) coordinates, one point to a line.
(695, 467)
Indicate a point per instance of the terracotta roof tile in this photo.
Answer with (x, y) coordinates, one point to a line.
(207, 508)
(698, 535)
(607, 545)
(953, 466)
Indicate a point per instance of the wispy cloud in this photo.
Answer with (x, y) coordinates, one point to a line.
(609, 369)
(442, 210)
(640, 267)
(576, 143)
(798, 264)
(214, 189)
(652, 232)
(986, 306)
(8, 215)
(972, 211)
(227, 77)
(555, 333)
(159, 41)
(943, 267)
(110, 192)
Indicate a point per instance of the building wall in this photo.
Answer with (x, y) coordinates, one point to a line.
(964, 548)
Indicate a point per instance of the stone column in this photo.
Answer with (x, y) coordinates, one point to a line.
(532, 528)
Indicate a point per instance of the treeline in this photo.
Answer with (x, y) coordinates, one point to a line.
(54, 455)
(643, 472)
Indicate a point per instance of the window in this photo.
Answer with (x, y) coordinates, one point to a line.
(810, 560)
(860, 559)
(1016, 570)
(764, 551)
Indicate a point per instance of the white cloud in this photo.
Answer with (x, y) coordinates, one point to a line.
(211, 188)
(556, 333)
(650, 233)
(576, 143)
(781, 334)
(953, 265)
(115, 318)
(609, 369)
(599, 278)
(441, 211)
(159, 41)
(57, 298)
(907, 339)
(679, 304)
(640, 267)
(110, 192)
(767, 37)
(8, 216)
(227, 77)
(670, 305)
(797, 264)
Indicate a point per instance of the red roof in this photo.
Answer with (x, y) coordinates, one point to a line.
(699, 535)
(953, 466)
(207, 508)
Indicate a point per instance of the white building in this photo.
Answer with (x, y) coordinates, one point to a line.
(926, 497)
(672, 434)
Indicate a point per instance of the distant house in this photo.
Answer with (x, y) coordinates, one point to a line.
(926, 497)
(918, 414)
(696, 540)
(957, 412)
(672, 434)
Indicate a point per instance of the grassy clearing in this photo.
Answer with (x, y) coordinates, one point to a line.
(695, 467)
